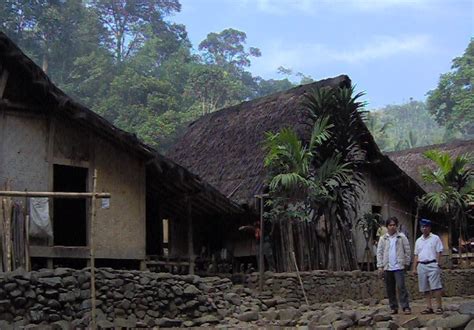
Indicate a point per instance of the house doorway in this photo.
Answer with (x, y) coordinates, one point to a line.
(70, 214)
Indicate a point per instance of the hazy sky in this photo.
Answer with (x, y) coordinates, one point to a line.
(391, 49)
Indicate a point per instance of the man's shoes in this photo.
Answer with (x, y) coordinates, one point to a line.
(427, 311)
(407, 311)
(394, 311)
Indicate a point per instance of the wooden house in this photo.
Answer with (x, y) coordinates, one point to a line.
(225, 149)
(50, 142)
(412, 161)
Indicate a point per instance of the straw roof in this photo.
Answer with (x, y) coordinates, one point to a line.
(29, 89)
(225, 147)
(412, 160)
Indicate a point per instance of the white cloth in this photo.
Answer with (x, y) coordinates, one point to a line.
(40, 223)
(392, 254)
(427, 249)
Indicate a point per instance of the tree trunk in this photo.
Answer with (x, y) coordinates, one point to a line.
(291, 245)
(450, 243)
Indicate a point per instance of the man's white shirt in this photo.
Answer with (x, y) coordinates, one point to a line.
(427, 249)
(392, 253)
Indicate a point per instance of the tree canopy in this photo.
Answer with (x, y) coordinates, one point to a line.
(452, 102)
(131, 63)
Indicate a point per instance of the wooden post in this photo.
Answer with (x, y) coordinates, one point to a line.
(92, 251)
(415, 226)
(27, 243)
(190, 234)
(261, 264)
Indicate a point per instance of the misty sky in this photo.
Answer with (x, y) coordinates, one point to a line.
(392, 49)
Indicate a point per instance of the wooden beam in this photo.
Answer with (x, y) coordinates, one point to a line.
(54, 194)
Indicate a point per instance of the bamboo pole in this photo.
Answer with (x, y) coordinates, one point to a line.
(54, 194)
(299, 277)
(6, 205)
(27, 243)
(92, 250)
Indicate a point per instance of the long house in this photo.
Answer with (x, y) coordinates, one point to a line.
(158, 211)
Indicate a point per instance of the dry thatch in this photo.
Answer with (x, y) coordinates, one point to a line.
(29, 89)
(225, 147)
(412, 160)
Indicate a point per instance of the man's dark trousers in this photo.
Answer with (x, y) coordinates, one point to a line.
(396, 280)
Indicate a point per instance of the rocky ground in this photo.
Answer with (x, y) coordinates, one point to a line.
(459, 313)
(59, 299)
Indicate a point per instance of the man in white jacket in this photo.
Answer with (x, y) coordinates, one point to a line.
(393, 258)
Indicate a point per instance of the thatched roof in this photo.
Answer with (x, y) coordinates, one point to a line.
(412, 160)
(28, 88)
(225, 147)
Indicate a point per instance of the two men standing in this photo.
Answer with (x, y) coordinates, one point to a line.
(393, 258)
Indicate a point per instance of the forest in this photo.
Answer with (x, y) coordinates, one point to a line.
(131, 63)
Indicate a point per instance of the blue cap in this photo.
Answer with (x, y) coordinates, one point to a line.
(425, 223)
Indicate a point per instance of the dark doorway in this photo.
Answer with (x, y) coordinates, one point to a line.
(70, 214)
(154, 230)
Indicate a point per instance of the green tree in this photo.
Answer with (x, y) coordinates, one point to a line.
(320, 180)
(294, 186)
(270, 86)
(52, 31)
(455, 178)
(226, 49)
(345, 112)
(130, 23)
(213, 87)
(379, 129)
(408, 125)
(452, 102)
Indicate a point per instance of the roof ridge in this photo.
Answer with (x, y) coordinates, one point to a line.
(456, 142)
(266, 98)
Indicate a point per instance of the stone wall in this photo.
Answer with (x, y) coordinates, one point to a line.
(327, 286)
(134, 298)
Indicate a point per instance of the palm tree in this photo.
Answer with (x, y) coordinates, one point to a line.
(455, 178)
(320, 181)
(288, 161)
(345, 112)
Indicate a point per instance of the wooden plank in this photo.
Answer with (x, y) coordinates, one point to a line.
(80, 252)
